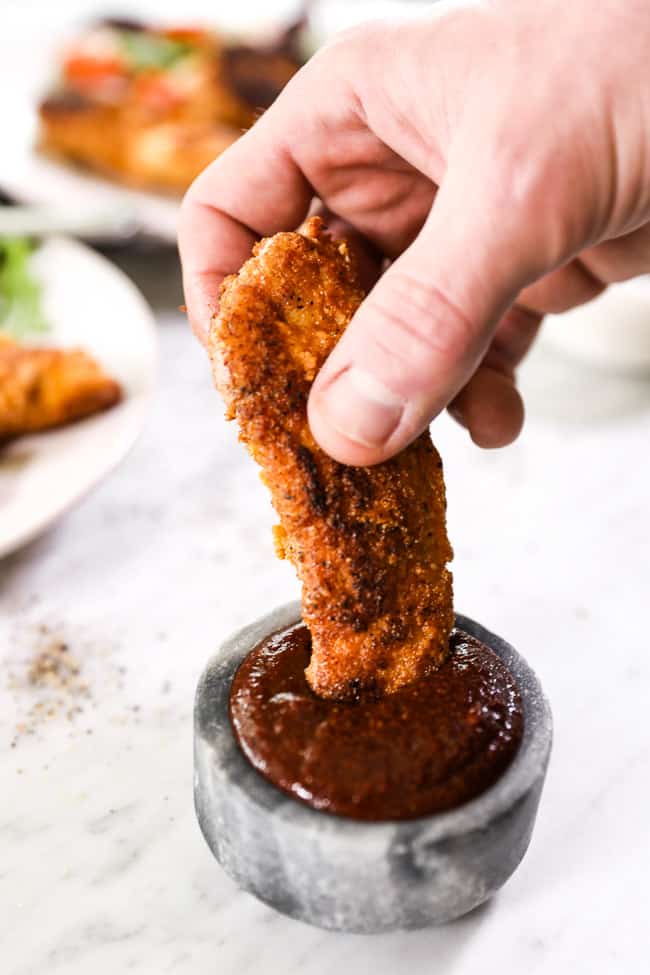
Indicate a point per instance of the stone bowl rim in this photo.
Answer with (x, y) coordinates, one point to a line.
(526, 768)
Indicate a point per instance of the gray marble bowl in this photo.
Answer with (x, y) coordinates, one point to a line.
(346, 875)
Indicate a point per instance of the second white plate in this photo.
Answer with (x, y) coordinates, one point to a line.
(91, 304)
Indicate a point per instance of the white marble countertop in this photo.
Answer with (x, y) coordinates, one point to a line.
(102, 866)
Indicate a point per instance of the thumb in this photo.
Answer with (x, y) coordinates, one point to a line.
(423, 329)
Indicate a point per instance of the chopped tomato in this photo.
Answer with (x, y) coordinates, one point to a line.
(84, 71)
(190, 35)
(154, 90)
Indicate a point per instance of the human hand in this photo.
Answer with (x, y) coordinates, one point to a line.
(498, 155)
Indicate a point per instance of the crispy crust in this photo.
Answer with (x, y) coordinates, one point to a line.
(369, 544)
(42, 388)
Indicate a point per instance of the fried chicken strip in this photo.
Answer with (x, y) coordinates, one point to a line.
(42, 388)
(368, 544)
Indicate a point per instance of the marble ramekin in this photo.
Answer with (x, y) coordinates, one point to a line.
(346, 875)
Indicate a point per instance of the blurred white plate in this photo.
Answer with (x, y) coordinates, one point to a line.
(91, 304)
(612, 331)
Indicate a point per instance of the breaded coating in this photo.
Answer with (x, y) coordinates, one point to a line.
(369, 544)
(42, 388)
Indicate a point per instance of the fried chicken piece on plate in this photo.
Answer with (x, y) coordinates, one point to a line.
(47, 387)
(369, 544)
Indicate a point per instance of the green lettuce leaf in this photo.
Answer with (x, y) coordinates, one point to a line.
(21, 308)
(145, 51)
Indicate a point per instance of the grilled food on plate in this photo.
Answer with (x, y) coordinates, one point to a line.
(153, 106)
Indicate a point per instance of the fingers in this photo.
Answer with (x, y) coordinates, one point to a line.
(620, 258)
(304, 145)
(490, 408)
(513, 338)
(489, 405)
(253, 190)
(421, 333)
(562, 289)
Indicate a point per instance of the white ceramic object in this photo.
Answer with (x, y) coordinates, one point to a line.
(330, 16)
(89, 303)
(612, 331)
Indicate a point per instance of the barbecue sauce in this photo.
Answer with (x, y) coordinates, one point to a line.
(427, 748)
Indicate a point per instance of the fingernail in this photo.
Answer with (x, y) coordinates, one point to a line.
(361, 408)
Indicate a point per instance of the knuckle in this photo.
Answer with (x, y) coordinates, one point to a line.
(351, 39)
(348, 56)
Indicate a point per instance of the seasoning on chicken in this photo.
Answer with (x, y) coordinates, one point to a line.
(369, 544)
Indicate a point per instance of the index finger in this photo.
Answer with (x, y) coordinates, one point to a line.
(253, 190)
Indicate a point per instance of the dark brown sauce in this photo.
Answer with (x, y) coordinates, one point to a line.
(427, 748)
